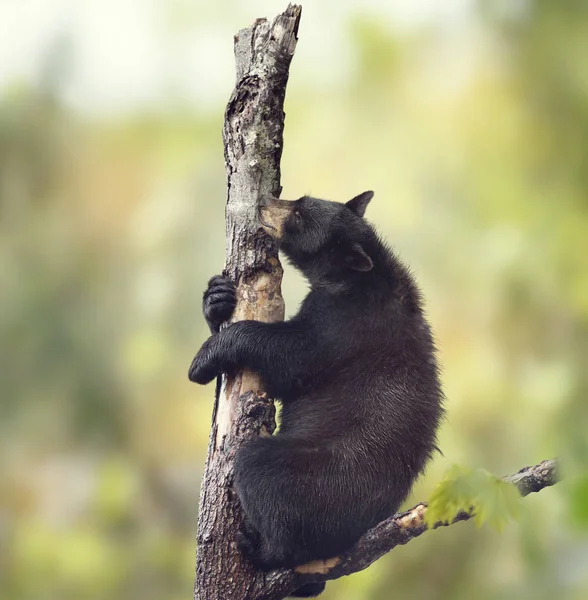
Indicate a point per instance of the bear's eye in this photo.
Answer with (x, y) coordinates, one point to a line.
(297, 215)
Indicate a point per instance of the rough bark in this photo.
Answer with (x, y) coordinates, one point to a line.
(252, 134)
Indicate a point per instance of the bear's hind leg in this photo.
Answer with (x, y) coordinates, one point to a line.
(248, 540)
(251, 545)
(310, 590)
(256, 549)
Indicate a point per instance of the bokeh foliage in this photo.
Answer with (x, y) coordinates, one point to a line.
(475, 139)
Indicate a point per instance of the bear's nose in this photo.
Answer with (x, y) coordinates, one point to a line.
(266, 199)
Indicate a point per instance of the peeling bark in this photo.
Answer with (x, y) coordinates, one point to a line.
(252, 134)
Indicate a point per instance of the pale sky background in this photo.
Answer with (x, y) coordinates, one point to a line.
(127, 54)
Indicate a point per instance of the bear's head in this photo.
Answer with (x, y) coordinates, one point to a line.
(327, 241)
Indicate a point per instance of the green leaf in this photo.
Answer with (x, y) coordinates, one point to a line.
(492, 500)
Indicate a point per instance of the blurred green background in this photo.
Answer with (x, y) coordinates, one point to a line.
(469, 120)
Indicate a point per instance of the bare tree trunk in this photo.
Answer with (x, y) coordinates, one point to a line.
(252, 133)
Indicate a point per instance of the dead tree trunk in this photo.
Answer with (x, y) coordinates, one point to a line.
(252, 134)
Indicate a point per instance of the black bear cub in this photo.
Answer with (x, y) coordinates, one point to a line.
(356, 373)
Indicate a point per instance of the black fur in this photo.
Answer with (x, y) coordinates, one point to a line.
(310, 590)
(218, 302)
(356, 373)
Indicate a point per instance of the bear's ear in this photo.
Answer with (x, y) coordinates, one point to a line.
(359, 203)
(357, 259)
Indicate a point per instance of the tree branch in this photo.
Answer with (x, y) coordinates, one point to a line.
(252, 134)
(398, 530)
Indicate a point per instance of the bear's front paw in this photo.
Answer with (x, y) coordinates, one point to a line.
(203, 368)
(219, 301)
